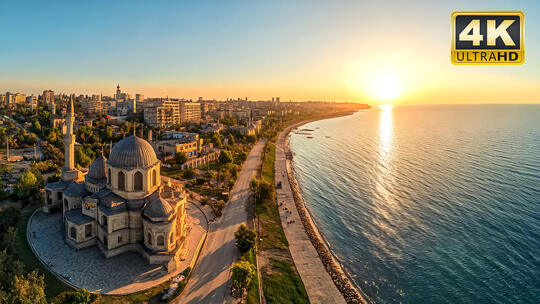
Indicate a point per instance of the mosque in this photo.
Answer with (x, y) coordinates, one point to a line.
(122, 204)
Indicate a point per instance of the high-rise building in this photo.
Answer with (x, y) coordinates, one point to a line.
(139, 97)
(161, 116)
(48, 96)
(32, 102)
(190, 111)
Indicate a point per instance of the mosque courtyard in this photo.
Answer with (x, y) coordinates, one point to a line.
(88, 268)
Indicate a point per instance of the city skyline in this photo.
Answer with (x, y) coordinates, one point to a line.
(299, 51)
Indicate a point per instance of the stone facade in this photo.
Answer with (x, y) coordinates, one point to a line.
(121, 204)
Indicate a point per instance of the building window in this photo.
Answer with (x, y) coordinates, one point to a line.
(109, 176)
(154, 178)
(73, 233)
(104, 220)
(121, 181)
(172, 238)
(138, 181)
(160, 240)
(149, 238)
(66, 204)
(88, 230)
(120, 239)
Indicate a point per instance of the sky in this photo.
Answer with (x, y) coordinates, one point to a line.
(297, 50)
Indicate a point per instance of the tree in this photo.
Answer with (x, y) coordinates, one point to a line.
(37, 126)
(180, 158)
(9, 216)
(245, 238)
(29, 289)
(216, 139)
(225, 157)
(9, 240)
(79, 296)
(188, 173)
(242, 156)
(242, 274)
(231, 140)
(27, 185)
(218, 211)
(265, 191)
(82, 159)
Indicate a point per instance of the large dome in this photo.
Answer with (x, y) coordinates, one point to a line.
(132, 152)
(97, 170)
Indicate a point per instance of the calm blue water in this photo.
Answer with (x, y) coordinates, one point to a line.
(433, 204)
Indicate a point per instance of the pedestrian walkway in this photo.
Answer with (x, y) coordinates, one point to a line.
(318, 283)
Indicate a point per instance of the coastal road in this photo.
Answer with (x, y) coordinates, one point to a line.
(209, 282)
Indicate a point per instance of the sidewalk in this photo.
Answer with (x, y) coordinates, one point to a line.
(318, 283)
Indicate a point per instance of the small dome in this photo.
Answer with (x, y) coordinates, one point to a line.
(97, 170)
(132, 152)
(159, 209)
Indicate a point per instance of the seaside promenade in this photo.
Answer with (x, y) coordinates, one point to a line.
(318, 283)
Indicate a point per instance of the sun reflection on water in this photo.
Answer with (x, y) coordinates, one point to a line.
(386, 133)
(385, 203)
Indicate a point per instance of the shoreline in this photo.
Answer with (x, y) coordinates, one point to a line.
(341, 278)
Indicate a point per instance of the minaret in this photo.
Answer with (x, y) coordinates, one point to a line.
(53, 112)
(69, 173)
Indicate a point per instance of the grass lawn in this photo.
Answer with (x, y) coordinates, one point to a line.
(272, 233)
(268, 164)
(281, 282)
(284, 285)
(253, 289)
(53, 285)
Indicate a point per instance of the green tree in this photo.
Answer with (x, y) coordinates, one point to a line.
(242, 274)
(225, 157)
(180, 158)
(216, 139)
(254, 185)
(232, 142)
(37, 126)
(80, 296)
(28, 289)
(245, 238)
(9, 216)
(82, 159)
(9, 239)
(188, 173)
(220, 206)
(265, 191)
(27, 185)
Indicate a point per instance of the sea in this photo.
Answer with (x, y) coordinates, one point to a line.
(429, 204)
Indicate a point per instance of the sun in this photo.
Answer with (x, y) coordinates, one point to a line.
(385, 87)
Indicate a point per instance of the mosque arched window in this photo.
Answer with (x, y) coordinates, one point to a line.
(121, 181)
(154, 177)
(73, 233)
(138, 181)
(160, 240)
(149, 238)
(109, 176)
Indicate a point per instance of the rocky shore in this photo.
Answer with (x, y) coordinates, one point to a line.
(333, 267)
